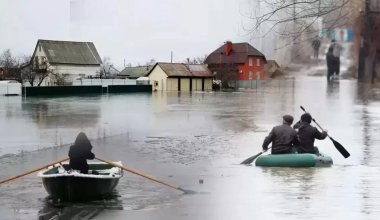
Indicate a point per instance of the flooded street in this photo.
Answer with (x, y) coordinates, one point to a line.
(196, 141)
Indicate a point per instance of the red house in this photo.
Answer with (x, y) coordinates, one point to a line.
(238, 62)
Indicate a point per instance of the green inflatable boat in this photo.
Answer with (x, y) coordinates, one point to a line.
(294, 160)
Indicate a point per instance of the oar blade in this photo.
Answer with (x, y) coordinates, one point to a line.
(340, 148)
(251, 159)
(186, 191)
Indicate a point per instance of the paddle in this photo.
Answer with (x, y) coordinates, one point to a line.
(32, 171)
(337, 145)
(249, 160)
(186, 191)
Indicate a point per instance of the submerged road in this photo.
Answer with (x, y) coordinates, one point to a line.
(197, 141)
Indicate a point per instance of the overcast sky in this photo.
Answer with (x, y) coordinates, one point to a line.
(134, 30)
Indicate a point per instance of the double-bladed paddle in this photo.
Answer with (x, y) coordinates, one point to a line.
(249, 160)
(337, 145)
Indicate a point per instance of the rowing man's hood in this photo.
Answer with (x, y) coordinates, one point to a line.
(82, 141)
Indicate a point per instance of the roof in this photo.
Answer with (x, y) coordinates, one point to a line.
(199, 70)
(69, 52)
(184, 70)
(239, 54)
(135, 72)
(175, 69)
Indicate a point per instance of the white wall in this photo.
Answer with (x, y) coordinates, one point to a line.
(13, 88)
(76, 70)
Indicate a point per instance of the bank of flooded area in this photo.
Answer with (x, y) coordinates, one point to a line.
(196, 141)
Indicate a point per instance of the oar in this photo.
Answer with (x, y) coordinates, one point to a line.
(186, 191)
(337, 145)
(249, 160)
(32, 171)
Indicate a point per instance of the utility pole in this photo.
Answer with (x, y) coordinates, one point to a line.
(171, 56)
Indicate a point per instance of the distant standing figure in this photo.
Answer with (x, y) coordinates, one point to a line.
(282, 137)
(316, 44)
(307, 135)
(331, 64)
(337, 49)
(79, 152)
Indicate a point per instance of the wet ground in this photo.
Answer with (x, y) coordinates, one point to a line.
(196, 141)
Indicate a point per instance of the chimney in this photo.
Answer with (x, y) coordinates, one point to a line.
(228, 47)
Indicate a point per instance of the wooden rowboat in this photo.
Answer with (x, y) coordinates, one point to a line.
(70, 185)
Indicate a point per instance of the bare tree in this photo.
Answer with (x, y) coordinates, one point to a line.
(7, 60)
(33, 77)
(295, 21)
(299, 15)
(196, 60)
(35, 72)
(59, 79)
(200, 59)
(151, 62)
(227, 73)
(105, 68)
(12, 66)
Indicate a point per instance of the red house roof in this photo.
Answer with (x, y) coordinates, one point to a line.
(239, 54)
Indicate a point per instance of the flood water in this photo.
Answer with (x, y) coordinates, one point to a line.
(196, 141)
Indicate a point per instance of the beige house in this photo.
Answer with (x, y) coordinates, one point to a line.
(180, 77)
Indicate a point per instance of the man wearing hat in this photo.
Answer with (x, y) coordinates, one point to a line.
(282, 137)
(307, 134)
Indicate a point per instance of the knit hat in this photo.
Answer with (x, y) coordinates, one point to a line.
(306, 118)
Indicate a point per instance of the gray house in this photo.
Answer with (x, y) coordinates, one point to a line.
(135, 72)
(65, 59)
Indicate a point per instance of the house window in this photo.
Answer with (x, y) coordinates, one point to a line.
(250, 75)
(258, 76)
(258, 61)
(250, 61)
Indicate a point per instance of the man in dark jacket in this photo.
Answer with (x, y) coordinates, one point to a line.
(307, 135)
(79, 152)
(282, 137)
(331, 63)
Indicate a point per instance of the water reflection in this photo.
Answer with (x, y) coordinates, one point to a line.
(63, 112)
(302, 178)
(88, 210)
(333, 88)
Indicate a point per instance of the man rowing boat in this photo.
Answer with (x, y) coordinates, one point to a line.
(307, 134)
(282, 137)
(79, 152)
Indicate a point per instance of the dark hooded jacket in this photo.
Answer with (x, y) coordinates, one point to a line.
(79, 152)
(306, 136)
(282, 138)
